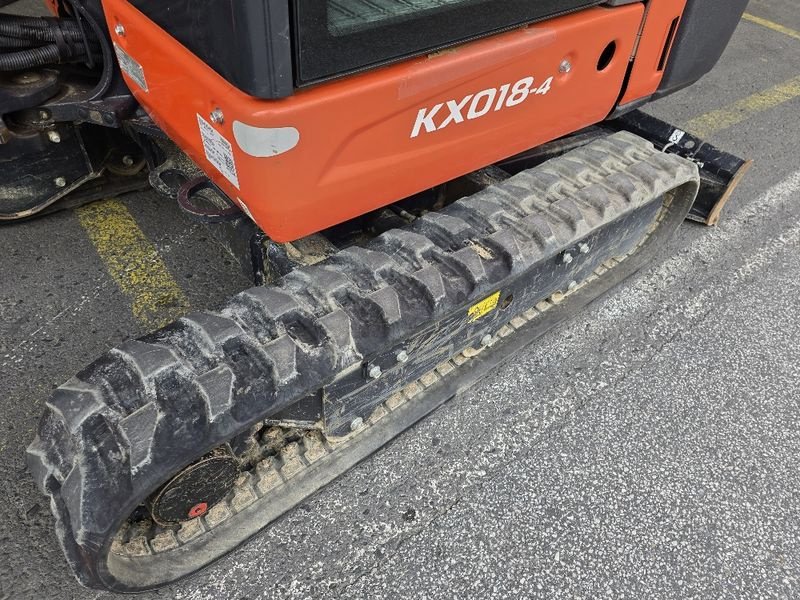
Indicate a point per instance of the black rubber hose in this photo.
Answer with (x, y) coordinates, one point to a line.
(16, 43)
(39, 57)
(38, 35)
(27, 59)
(58, 40)
(40, 29)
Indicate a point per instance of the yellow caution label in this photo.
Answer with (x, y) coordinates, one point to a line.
(484, 307)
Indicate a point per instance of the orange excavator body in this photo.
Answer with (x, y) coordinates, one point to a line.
(340, 149)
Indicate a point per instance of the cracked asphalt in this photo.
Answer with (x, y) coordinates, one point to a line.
(649, 448)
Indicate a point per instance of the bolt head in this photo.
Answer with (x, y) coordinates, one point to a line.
(565, 66)
(486, 340)
(402, 356)
(567, 258)
(119, 30)
(584, 248)
(356, 424)
(44, 115)
(572, 285)
(60, 182)
(127, 160)
(217, 116)
(54, 137)
(374, 372)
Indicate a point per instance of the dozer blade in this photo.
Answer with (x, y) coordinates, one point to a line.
(191, 420)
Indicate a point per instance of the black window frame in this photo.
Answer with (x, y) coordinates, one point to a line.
(268, 48)
(321, 55)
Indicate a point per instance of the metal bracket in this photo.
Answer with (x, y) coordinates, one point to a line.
(720, 172)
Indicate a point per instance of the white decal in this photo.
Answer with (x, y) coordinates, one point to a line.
(219, 151)
(130, 67)
(455, 109)
(477, 105)
(676, 136)
(425, 119)
(263, 142)
(474, 111)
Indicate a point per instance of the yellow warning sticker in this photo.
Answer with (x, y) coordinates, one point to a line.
(484, 307)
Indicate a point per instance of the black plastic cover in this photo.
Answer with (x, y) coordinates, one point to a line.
(267, 48)
(705, 30)
(248, 42)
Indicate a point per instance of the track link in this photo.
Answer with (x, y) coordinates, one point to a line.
(113, 434)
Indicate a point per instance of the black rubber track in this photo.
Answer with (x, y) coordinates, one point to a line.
(113, 434)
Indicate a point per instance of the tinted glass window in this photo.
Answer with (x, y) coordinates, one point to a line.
(336, 37)
(349, 16)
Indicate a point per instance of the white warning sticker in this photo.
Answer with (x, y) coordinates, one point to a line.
(677, 136)
(130, 67)
(219, 151)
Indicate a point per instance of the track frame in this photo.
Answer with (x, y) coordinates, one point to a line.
(113, 435)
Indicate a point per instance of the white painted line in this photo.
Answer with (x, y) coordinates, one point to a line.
(706, 249)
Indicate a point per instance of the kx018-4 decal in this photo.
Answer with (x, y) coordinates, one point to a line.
(475, 106)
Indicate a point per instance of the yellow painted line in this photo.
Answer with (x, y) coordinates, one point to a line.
(739, 111)
(772, 25)
(133, 262)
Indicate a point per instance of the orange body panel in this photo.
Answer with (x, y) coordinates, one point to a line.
(341, 149)
(661, 23)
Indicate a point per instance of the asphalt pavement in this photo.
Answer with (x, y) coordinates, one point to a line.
(647, 449)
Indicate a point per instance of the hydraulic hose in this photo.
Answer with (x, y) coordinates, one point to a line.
(15, 43)
(39, 41)
(28, 59)
(40, 29)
